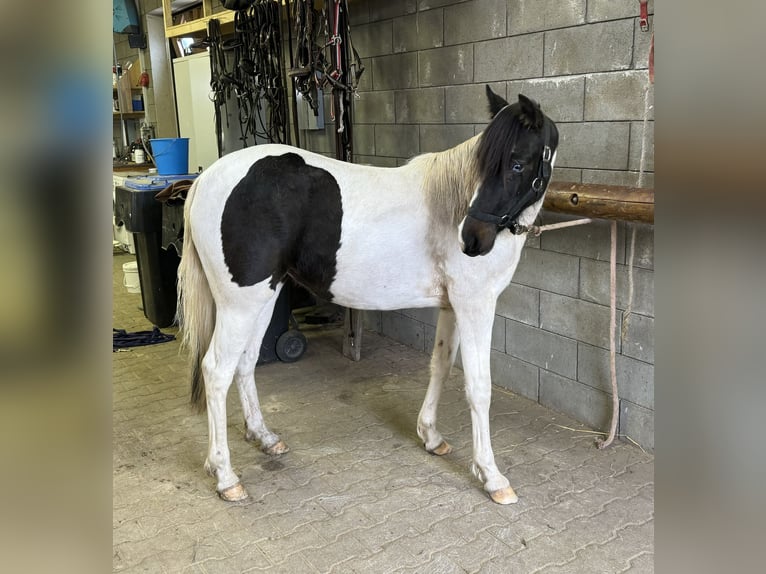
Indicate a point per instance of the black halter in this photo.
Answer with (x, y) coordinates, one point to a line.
(532, 195)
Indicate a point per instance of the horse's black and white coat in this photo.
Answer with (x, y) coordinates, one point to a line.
(431, 233)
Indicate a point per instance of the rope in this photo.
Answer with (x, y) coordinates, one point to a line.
(537, 230)
(612, 344)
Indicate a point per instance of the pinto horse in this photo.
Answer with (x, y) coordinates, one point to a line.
(431, 233)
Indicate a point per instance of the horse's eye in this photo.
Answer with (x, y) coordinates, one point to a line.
(517, 168)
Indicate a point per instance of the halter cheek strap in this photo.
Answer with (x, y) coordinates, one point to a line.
(532, 195)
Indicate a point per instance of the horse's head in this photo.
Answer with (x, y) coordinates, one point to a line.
(514, 158)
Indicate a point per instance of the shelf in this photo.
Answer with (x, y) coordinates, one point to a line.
(118, 115)
(198, 25)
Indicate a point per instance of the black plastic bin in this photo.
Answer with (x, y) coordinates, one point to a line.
(157, 267)
(279, 342)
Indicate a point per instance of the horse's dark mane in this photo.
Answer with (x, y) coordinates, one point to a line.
(493, 151)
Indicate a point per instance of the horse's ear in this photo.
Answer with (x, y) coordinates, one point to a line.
(531, 114)
(496, 103)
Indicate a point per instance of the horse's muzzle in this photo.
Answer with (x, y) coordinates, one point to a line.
(477, 237)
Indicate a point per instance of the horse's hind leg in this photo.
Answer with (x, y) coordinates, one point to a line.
(442, 358)
(233, 331)
(256, 429)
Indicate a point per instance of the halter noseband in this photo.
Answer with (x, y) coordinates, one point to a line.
(532, 195)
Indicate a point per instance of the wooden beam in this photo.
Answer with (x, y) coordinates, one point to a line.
(601, 201)
(198, 25)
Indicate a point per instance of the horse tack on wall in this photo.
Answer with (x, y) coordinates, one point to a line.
(436, 238)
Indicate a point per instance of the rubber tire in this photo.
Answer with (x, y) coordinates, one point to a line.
(290, 346)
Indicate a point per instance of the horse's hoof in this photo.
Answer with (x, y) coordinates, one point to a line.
(278, 448)
(504, 496)
(442, 449)
(234, 493)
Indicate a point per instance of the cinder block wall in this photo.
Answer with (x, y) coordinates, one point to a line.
(586, 62)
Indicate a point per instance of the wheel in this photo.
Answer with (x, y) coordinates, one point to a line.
(290, 346)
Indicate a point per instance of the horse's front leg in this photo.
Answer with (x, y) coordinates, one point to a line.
(474, 320)
(445, 350)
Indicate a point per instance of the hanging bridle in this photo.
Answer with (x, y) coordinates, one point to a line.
(531, 196)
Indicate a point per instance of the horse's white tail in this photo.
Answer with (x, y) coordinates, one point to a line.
(196, 308)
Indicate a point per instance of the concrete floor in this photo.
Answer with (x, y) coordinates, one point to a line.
(357, 492)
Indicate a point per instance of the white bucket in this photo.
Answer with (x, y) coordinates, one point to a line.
(130, 280)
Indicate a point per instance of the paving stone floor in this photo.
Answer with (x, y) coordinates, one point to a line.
(357, 492)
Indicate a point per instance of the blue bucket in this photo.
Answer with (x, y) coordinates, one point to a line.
(171, 155)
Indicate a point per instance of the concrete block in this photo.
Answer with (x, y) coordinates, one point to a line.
(567, 174)
(364, 139)
(557, 272)
(520, 303)
(594, 285)
(440, 137)
(509, 58)
(639, 339)
(446, 66)
(576, 319)
(468, 104)
(635, 379)
(374, 39)
(560, 98)
(641, 44)
(627, 178)
(427, 315)
(419, 31)
(498, 334)
(403, 329)
(601, 47)
(397, 140)
(618, 96)
(365, 80)
(395, 72)
(637, 423)
(359, 13)
(377, 161)
(584, 403)
(515, 375)
(594, 145)
(533, 15)
(546, 350)
(430, 4)
(422, 106)
(641, 137)
(373, 321)
(374, 108)
(474, 21)
(599, 10)
(643, 255)
(391, 9)
(590, 240)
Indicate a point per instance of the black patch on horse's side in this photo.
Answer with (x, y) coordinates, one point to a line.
(283, 218)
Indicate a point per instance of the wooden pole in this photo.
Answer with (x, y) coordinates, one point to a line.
(601, 201)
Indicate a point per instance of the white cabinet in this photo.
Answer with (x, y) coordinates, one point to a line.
(196, 112)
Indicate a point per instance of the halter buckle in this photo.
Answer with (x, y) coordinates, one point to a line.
(547, 154)
(503, 221)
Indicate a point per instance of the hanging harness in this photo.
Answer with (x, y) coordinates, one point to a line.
(318, 62)
(532, 195)
(249, 65)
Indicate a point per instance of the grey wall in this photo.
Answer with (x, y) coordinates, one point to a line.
(586, 62)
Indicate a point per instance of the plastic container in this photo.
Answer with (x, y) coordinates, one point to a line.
(171, 155)
(141, 214)
(130, 277)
